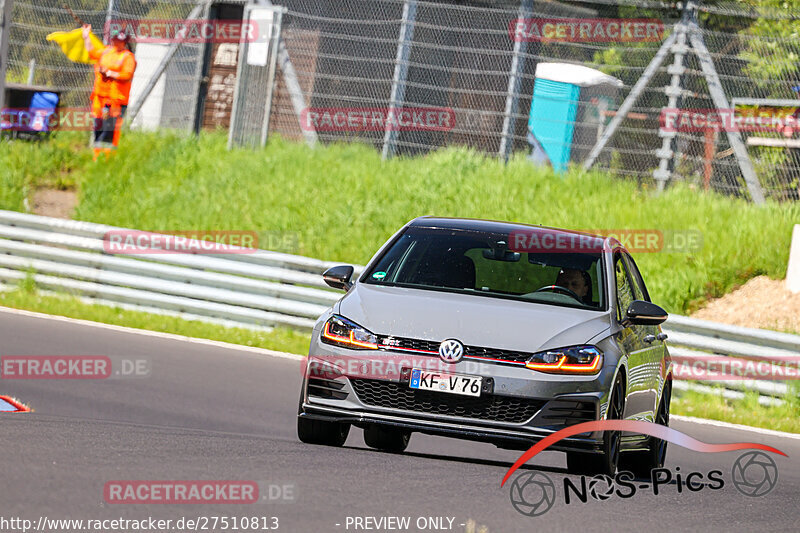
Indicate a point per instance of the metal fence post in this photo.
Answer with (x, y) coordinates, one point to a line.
(721, 102)
(627, 104)
(293, 86)
(673, 91)
(400, 73)
(255, 79)
(514, 83)
(5, 27)
(196, 122)
(273, 60)
(109, 16)
(151, 83)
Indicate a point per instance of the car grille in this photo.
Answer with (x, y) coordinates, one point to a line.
(393, 395)
(494, 353)
(404, 343)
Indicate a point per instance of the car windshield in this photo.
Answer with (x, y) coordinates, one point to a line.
(481, 263)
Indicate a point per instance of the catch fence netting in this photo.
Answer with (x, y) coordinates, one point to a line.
(470, 59)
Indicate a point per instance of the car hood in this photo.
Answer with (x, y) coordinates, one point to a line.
(473, 319)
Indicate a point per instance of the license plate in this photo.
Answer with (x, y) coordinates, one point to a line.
(444, 382)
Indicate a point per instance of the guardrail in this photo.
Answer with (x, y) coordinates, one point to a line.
(256, 289)
(693, 338)
(265, 289)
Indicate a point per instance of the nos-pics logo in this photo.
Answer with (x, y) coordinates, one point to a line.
(533, 493)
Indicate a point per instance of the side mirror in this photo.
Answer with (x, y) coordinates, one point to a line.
(643, 313)
(338, 277)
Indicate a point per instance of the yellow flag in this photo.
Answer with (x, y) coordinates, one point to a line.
(71, 43)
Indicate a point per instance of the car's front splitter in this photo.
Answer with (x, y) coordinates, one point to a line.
(498, 436)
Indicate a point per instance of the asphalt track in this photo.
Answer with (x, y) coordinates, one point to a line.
(218, 413)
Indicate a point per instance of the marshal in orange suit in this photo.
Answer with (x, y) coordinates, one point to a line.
(114, 66)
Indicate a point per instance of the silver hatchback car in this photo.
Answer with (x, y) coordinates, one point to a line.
(496, 332)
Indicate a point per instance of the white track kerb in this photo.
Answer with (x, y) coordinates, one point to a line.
(266, 289)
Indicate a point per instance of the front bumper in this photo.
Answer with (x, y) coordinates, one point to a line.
(520, 407)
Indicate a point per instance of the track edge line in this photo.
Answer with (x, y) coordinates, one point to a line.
(158, 334)
(730, 425)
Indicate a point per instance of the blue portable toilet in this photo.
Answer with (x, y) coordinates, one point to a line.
(568, 111)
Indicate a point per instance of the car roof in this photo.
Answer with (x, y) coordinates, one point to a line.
(493, 226)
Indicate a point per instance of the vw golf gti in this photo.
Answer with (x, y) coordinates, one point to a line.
(491, 331)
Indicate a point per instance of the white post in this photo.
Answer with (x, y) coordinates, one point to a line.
(514, 84)
(793, 271)
(398, 96)
(5, 27)
(109, 18)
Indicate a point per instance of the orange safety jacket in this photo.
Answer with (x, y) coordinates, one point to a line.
(113, 90)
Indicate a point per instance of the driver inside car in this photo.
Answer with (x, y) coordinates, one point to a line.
(578, 281)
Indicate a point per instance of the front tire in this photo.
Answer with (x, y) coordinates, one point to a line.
(386, 439)
(322, 432)
(606, 461)
(641, 463)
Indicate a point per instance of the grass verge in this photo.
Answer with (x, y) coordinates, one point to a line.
(341, 202)
(746, 411)
(281, 339)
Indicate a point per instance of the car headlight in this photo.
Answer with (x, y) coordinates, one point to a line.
(342, 332)
(570, 360)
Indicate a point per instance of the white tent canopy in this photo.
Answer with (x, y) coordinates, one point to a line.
(574, 74)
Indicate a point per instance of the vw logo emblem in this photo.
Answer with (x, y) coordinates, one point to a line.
(451, 351)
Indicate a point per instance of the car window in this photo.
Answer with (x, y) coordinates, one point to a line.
(480, 263)
(639, 288)
(624, 289)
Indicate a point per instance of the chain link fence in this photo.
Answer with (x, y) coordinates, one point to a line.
(466, 58)
(462, 57)
(35, 61)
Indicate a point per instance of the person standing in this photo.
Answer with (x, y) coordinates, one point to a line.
(114, 67)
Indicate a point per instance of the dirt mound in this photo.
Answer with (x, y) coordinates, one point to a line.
(759, 303)
(54, 202)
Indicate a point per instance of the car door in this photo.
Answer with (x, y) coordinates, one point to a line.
(630, 338)
(653, 338)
